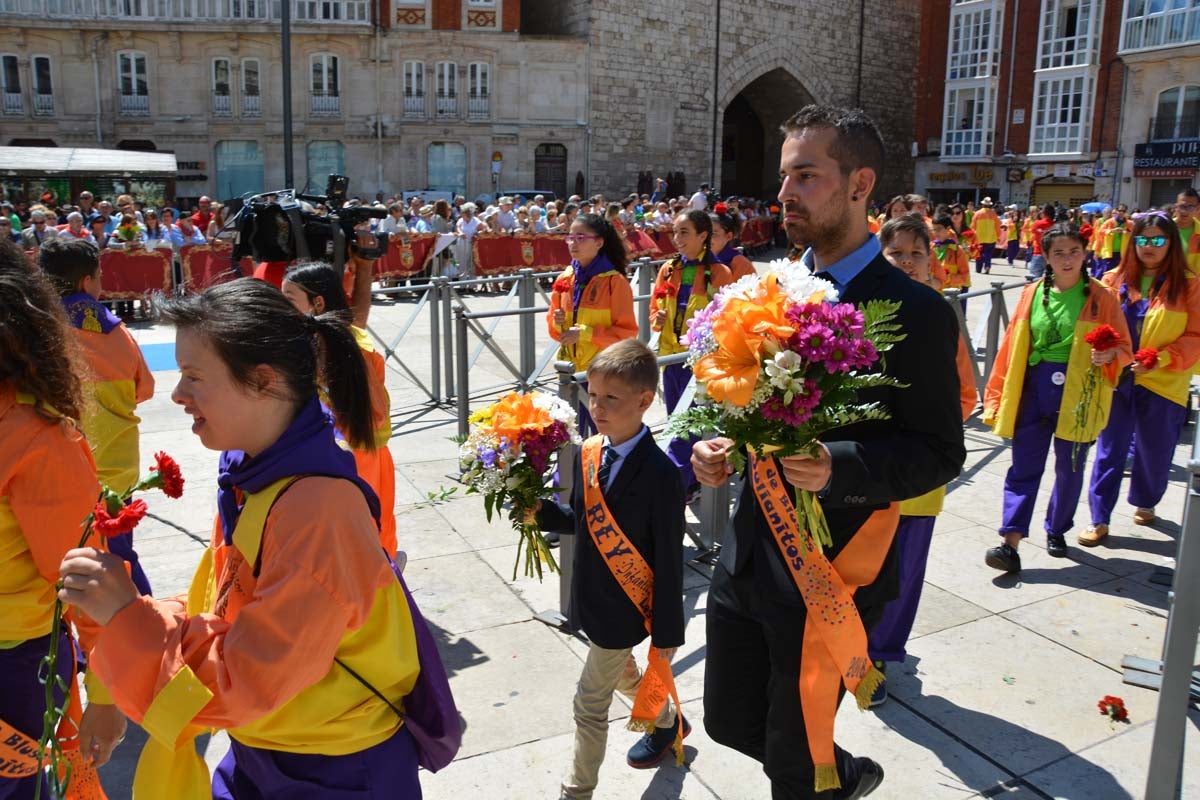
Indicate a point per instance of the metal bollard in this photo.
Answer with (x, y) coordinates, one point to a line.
(560, 617)
(526, 290)
(993, 328)
(464, 392)
(448, 350)
(645, 282)
(435, 335)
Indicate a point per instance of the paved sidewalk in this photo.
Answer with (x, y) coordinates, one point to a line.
(998, 696)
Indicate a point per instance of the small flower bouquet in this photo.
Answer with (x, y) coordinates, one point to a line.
(779, 363)
(128, 234)
(1102, 339)
(113, 515)
(508, 456)
(1147, 358)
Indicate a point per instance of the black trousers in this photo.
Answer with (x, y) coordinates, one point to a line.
(751, 683)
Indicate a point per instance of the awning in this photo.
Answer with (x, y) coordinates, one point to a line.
(62, 162)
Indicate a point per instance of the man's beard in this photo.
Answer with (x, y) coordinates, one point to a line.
(825, 233)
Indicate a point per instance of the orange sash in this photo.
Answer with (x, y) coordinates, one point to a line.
(637, 581)
(18, 753)
(835, 642)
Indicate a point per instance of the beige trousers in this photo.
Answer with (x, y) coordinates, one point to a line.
(604, 672)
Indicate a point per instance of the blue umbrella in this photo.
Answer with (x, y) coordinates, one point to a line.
(1095, 208)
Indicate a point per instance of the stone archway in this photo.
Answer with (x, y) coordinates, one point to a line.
(750, 135)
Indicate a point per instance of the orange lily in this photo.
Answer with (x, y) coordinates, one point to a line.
(731, 372)
(764, 313)
(516, 413)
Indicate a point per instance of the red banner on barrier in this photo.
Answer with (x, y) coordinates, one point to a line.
(206, 265)
(641, 244)
(406, 256)
(131, 275)
(502, 254)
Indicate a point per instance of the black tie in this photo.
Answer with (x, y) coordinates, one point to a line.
(610, 458)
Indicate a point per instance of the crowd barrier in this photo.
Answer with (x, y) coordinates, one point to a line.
(406, 256)
(506, 254)
(133, 274)
(205, 265)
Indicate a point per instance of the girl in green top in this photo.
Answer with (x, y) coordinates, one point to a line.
(1035, 385)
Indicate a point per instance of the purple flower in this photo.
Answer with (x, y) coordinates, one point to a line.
(488, 456)
(846, 319)
(813, 341)
(841, 357)
(797, 412)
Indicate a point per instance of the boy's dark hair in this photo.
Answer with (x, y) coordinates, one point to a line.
(66, 262)
(943, 220)
(249, 323)
(909, 223)
(630, 361)
(857, 143)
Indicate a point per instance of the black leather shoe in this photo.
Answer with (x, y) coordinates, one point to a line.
(654, 747)
(1056, 546)
(1004, 558)
(870, 775)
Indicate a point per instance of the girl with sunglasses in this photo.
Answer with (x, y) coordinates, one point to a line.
(1161, 304)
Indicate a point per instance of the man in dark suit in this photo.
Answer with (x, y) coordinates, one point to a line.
(756, 618)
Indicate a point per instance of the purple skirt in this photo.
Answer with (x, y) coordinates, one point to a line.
(387, 771)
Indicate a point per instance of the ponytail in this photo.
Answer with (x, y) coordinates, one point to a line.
(249, 323)
(345, 378)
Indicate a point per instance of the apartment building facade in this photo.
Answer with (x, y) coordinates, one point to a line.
(398, 95)
(1019, 100)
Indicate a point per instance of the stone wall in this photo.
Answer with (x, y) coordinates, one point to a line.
(652, 78)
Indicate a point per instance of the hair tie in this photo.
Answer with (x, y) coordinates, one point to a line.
(312, 325)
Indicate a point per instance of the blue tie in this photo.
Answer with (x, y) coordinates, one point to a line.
(610, 458)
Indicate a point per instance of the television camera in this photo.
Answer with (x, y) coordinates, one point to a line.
(276, 226)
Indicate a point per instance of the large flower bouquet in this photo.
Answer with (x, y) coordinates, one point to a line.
(113, 515)
(779, 363)
(508, 457)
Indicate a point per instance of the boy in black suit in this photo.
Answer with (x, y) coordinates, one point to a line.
(627, 498)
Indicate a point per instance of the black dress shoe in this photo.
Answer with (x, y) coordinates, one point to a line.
(1003, 558)
(551, 538)
(870, 775)
(1056, 546)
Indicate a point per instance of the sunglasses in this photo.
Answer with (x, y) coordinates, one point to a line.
(1156, 241)
(576, 238)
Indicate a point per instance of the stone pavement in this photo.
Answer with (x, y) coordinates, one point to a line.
(997, 698)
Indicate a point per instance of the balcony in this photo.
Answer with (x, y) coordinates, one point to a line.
(43, 105)
(478, 107)
(965, 144)
(13, 104)
(222, 105)
(325, 104)
(349, 12)
(1167, 129)
(414, 106)
(447, 105)
(135, 105)
(251, 105)
(1173, 27)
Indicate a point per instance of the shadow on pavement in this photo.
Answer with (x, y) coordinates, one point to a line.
(931, 708)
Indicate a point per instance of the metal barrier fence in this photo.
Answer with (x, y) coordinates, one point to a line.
(451, 356)
(1179, 683)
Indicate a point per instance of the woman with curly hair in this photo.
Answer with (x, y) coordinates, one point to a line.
(47, 487)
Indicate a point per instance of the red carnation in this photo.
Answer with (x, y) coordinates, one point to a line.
(662, 292)
(1113, 708)
(169, 478)
(124, 522)
(562, 284)
(1102, 338)
(1147, 357)
(720, 208)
